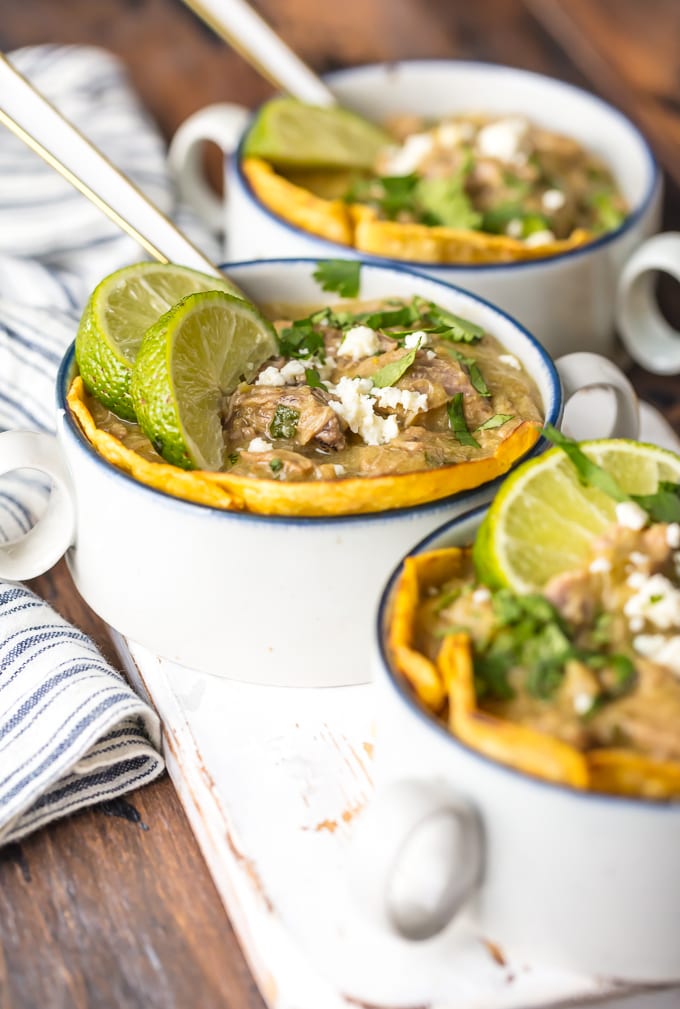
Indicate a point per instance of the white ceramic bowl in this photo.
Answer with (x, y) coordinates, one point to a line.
(267, 599)
(567, 301)
(583, 881)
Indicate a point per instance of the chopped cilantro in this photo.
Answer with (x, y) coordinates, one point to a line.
(301, 340)
(313, 379)
(393, 371)
(589, 473)
(662, 506)
(478, 381)
(446, 203)
(340, 275)
(276, 465)
(498, 420)
(462, 330)
(383, 320)
(233, 458)
(460, 357)
(458, 423)
(284, 422)
(608, 212)
(496, 220)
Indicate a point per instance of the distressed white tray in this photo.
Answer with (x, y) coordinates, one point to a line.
(271, 780)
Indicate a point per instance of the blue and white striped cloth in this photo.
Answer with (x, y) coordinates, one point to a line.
(72, 732)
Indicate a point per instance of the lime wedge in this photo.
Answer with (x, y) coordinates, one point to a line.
(543, 520)
(120, 310)
(290, 134)
(194, 356)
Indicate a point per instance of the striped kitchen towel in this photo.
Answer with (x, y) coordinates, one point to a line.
(72, 732)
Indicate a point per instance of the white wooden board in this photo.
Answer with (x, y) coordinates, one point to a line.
(272, 780)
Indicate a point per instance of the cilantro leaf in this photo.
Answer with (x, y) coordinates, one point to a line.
(313, 379)
(664, 505)
(478, 381)
(462, 330)
(341, 275)
(301, 340)
(498, 420)
(446, 203)
(284, 422)
(458, 423)
(460, 357)
(393, 371)
(589, 473)
(276, 465)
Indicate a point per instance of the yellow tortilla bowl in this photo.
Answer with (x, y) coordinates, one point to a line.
(451, 678)
(352, 496)
(358, 225)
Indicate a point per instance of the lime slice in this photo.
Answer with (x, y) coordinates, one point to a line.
(120, 310)
(193, 357)
(543, 520)
(290, 134)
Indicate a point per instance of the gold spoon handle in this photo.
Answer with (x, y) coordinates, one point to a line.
(244, 30)
(42, 128)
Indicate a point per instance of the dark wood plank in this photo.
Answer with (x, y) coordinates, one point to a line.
(97, 910)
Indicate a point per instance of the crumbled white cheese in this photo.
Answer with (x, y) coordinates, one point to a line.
(503, 139)
(452, 134)
(481, 595)
(405, 159)
(582, 703)
(656, 599)
(665, 651)
(514, 227)
(391, 397)
(636, 558)
(673, 535)
(292, 371)
(600, 566)
(259, 445)
(511, 361)
(631, 515)
(553, 199)
(324, 368)
(416, 339)
(636, 624)
(339, 470)
(539, 238)
(360, 341)
(270, 376)
(430, 355)
(357, 408)
(287, 375)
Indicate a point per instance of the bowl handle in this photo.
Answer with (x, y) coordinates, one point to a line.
(53, 534)
(415, 858)
(222, 124)
(648, 338)
(599, 401)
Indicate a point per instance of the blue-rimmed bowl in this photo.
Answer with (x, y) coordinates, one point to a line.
(554, 875)
(567, 301)
(267, 599)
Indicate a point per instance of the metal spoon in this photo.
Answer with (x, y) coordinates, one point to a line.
(245, 31)
(38, 123)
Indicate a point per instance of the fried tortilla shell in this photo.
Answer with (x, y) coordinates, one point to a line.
(506, 742)
(350, 496)
(624, 772)
(428, 244)
(359, 225)
(328, 218)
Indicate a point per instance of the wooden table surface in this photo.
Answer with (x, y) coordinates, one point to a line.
(115, 907)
